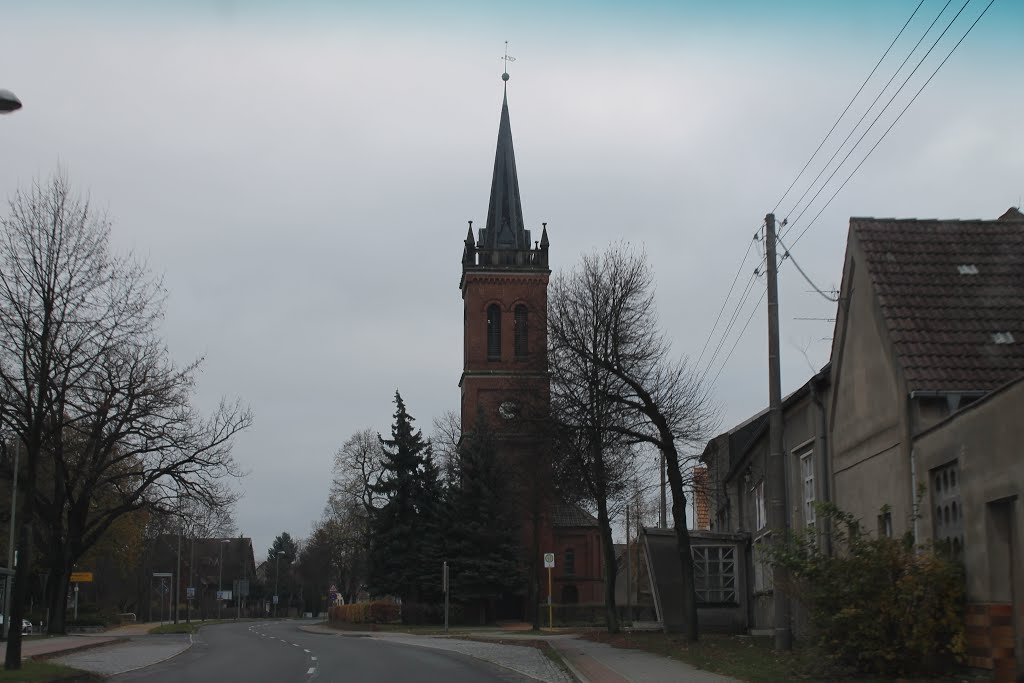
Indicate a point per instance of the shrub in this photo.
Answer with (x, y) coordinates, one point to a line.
(879, 605)
(377, 612)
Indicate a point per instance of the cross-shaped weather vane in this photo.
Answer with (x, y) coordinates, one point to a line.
(507, 58)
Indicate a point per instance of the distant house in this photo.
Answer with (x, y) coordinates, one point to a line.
(916, 425)
(931, 321)
(737, 462)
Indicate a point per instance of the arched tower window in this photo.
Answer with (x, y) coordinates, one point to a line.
(494, 332)
(522, 329)
(570, 562)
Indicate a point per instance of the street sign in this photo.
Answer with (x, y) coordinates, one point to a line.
(81, 577)
(223, 595)
(549, 560)
(162, 575)
(190, 593)
(242, 587)
(275, 599)
(333, 588)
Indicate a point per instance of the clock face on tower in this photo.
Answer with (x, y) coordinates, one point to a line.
(508, 409)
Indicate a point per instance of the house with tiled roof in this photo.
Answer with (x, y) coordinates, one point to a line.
(927, 361)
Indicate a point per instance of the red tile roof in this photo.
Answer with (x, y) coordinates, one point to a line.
(949, 289)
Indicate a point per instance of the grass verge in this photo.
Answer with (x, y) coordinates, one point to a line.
(180, 627)
(744, 657)
(45, 672)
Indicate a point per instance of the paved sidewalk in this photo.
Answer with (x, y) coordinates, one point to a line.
(599, 663)
(588, 661)
(127, 656)
(44, 647)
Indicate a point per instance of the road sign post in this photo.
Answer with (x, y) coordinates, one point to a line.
(549, 564)
(444, 581)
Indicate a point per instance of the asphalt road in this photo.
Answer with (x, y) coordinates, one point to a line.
(251, 652)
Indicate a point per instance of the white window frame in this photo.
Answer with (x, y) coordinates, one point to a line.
(806, 458)
(760, 511)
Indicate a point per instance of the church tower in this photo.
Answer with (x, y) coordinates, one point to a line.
(504, 292)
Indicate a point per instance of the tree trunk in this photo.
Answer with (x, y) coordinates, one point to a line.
(57, 594)
(12, 658)
(611, 613)
(675, 480)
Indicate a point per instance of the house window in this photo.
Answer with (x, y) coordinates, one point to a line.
(807, 472)
(948, 518)
(570, 562)
(521, 323)
(885, 524)
(760, 518)
(494, 332)
(714, 573)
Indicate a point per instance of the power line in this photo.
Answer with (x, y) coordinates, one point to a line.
(884, 109)
(740, 336)
(848, 105)
(726, 300)
(787, 254)
(732, 321)
(896, 120)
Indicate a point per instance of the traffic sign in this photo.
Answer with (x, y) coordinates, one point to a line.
(549, 560)
(81, 577)
(190, 592)
(275, 599)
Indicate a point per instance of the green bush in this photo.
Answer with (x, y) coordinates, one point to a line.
(377, 612)
(878, 605)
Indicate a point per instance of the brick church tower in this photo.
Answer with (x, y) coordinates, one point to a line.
(504, 292)
(505, 379)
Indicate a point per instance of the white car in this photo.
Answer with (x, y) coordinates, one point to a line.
(26, 627)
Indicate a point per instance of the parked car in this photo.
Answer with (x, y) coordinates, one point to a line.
(26, 627)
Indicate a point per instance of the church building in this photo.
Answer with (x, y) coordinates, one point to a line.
(505, 380)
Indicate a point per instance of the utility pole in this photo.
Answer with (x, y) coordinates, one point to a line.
(776, 477)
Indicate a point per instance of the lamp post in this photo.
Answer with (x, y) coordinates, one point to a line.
(9, 579)
(8, 102)
(277, 578)
(220, 580)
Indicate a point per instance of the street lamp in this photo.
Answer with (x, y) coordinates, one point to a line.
(8, 101)
(277, 577)
(220, 581)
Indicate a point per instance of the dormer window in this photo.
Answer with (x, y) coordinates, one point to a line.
(1003, 338)
(967, 269)
(494, 332)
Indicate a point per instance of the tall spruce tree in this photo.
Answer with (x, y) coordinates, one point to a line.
(484, 539)
(406, 541)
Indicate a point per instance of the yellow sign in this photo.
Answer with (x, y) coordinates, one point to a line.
(81, 577)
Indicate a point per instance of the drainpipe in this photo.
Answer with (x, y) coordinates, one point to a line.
(826, 492)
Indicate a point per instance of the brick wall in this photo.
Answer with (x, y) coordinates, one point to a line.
(990, 639)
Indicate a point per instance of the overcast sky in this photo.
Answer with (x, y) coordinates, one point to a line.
(302, 174)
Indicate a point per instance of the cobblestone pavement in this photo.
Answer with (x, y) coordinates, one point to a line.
(128, 656)
(528, 661)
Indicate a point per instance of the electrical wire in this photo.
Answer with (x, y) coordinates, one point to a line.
(873, 122)
(895, 121)
(868, 111)
(726, 300)
(787, 255)
(725, 362)
(848, 105)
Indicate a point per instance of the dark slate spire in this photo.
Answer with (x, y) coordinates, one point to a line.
(504, 229)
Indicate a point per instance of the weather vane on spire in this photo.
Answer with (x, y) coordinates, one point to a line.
(507, 58)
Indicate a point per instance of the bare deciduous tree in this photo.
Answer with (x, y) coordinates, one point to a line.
(603, 328)
(103, 417)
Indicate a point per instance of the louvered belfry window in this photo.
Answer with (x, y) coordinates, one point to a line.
(494, 332)
(521, 320)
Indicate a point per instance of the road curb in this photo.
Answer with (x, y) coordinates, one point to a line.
(573, 671)
(188, 647)
(42, 656)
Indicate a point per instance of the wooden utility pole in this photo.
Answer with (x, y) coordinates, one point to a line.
(776, 476)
